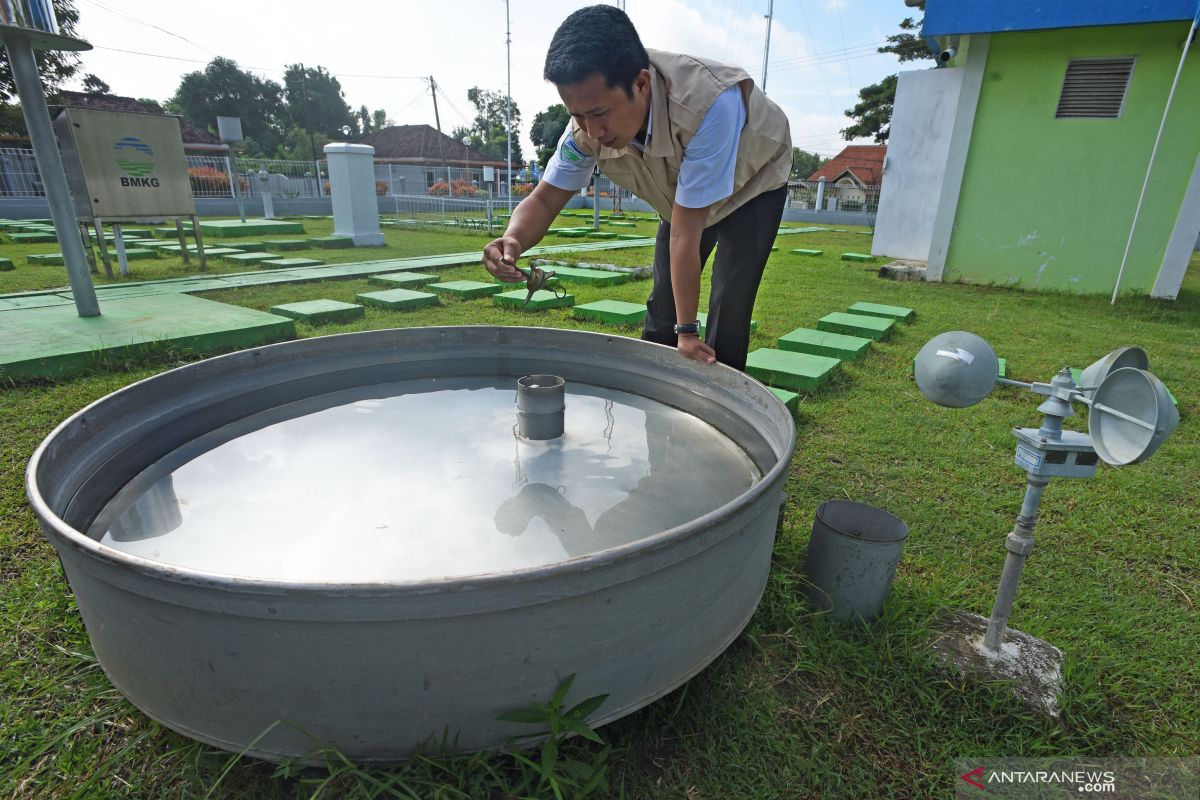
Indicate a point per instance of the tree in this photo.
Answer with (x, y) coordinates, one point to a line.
(805, 163)
(55, 66)
(95, 85)
(316, 101)
(487, 133)
(873, 115)
(548, 127)
(224, 90)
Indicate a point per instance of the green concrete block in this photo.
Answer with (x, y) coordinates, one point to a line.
(1002, 372)
(6, 265)
(54, 341)
(614, 312)
(823, 343)
(623, 224)
(317, 312)
(170, 232)
(800, 372)
(628, 236)
(331, 242)
(467, 290)
(591, 277)
(877, 310)
(703, 319)
(805, 252)
(292, 262)
(283, 245)
(226, 228)
(403, 280)
(398, 299)
(855, 325)
(540, 301)
(603, 234)
(774, 249)
(837, 230)
(790, 400)
(560, 229)
(249, 247)
(857, 257)
(32, 238)
(135, 233)
(46, 259)
(137, 253)
(250, 258)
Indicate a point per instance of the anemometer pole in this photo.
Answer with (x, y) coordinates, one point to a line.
(54, 180)
(1020, 542)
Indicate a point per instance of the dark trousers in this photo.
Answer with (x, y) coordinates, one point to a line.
(743, 241)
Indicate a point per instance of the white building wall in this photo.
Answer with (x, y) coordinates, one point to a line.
(918, 147)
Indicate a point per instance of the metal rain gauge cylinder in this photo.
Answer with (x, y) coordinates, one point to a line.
(1131, 414)
(382, 537)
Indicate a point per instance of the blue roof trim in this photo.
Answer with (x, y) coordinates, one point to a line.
(949, 17)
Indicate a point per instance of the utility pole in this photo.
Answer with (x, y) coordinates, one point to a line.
(438, 121)
(508, 99)
(767, 47)
(312, 145)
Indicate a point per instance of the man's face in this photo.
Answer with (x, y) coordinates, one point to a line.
(608, 115)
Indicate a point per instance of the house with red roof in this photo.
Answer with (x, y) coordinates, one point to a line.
(852, 177)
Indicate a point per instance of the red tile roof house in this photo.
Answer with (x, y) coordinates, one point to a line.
(856, 172)
(414, 157)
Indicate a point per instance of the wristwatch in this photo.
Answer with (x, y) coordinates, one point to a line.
(691, 327)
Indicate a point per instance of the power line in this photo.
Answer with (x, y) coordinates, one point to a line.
(813, 39)
(120, 13)
(833, 55)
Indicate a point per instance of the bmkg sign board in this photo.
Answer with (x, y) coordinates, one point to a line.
(124, 166)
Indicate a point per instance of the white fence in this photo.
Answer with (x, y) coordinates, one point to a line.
(841, 196)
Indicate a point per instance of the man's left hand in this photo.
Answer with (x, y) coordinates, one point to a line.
(692, 347)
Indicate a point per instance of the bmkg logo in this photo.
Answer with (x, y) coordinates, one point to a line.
(135, 158)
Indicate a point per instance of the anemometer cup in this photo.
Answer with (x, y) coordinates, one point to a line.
(956, 369)
(1135, 393)
(1122, 357)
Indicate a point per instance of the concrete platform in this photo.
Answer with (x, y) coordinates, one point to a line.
(541, 300)
(209, 252)
(32, 238)
(628, 236)
(54, 341)
(613, 312)
(801, 251)
(250, 258)
(292, 262)
(702, 317)
(857, 257)
(404, 280)
(331, 242)
(790, 399)
(46, 259)
(467, 290)
(398, 299)
(855, 325)
(249, 247)
(824, 343)
(283, 245)
(135, 253)
(798, 372)
(317, 312)
(877, 310)
(6, 265)
(603, 234)
(225, 228)
(616, 224)
(571, 234)
(591, 277)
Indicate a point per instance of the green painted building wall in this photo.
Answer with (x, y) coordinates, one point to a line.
(1047, 203)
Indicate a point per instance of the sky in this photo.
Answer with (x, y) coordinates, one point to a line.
(821, 52)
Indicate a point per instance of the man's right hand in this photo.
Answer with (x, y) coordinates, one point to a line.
(500, 258)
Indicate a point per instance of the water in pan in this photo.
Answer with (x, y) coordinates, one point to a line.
(423, 479)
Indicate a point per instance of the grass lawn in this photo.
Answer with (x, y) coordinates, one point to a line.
(799, 706)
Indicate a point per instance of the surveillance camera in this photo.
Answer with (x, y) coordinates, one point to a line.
(947, 54)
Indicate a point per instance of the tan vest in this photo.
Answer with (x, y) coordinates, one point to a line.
(683, 88)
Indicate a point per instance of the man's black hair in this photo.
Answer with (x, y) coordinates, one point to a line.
(596, 39)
